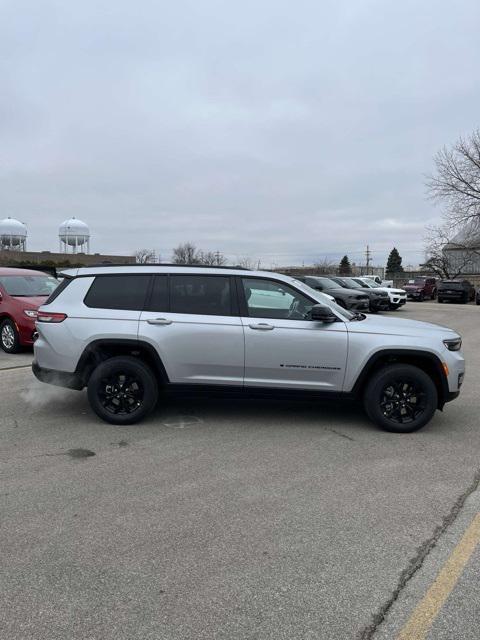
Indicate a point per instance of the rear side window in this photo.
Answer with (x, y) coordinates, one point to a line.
(204, 295)
(61, 287)
(126, 292)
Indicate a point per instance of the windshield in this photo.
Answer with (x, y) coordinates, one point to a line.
(27, 286)
(350, 283)
(323, 299)
(451, 284)
(326, 283)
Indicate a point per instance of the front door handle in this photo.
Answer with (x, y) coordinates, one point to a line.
(262, 326)
(159, 321)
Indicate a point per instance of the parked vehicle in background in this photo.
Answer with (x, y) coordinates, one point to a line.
(128, 333)
(346, 298)
(378, 299)
(397, 297)
(22, 291)
(477, 296)
(456, 291)
(378, 280)
(422, 288)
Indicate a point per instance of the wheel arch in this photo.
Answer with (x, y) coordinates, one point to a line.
(103, 349)
(424, 360)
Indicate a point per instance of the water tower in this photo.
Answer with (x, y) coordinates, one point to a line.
(13, 235)
(74, 235)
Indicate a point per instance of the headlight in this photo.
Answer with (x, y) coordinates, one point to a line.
(31, 313)
(453, 344)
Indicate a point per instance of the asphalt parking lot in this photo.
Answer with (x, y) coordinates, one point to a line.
(230, 519)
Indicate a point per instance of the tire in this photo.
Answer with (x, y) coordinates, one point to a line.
(434, 294)
(389, 383)
(106, 395)
(439, 300)
(477, 300)
(465, 299)
(421, 297)
(394, 307)
(9, 338)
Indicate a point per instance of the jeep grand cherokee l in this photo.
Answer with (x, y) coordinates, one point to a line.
(128, 332)
(347, 298)
(378, 299)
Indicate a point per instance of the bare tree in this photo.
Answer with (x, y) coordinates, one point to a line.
(212, 258)
(144, 256)
(456, 181)
(246, 262)
(447, 254)
(186, 253)
(325, 266)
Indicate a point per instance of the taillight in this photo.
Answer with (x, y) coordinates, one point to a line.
(44, 316)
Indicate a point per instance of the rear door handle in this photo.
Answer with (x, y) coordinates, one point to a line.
(159, 321)
(262, 326)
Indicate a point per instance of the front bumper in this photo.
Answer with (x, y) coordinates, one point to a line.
(358, 305)
(380, 304)
(57, 378)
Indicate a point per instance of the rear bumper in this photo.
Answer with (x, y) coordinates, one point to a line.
(57, 378)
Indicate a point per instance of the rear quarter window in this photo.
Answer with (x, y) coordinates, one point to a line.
(125, 292)
(61, 287)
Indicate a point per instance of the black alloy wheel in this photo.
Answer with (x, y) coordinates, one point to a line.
(122, 390)
(401, 398)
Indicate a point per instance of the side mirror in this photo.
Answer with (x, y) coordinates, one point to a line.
(321, 313)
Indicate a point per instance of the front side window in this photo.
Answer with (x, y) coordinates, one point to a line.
(203, 295)
(270, 299)
(125, 292)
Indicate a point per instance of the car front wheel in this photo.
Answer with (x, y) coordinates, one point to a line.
(122, 390)
(9, 338)
(400, 398)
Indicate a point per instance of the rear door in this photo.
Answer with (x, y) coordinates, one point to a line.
(192, 320)
(283, 348)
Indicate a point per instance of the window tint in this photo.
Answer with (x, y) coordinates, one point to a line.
(118, 292)
(269, 299)
(205, 295)
(159, 299)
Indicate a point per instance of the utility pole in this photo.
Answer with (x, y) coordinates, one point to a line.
(368, 255)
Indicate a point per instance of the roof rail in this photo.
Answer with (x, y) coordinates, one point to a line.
(163, 264)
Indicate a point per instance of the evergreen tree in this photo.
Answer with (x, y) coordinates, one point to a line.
(345, 268)
(394, 262)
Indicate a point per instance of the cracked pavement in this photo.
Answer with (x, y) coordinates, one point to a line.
(232, 519)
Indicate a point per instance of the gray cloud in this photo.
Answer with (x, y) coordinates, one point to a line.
(277, 130)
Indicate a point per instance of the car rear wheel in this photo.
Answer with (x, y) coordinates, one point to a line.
(122, 390)
(9, 338)
(400, 398)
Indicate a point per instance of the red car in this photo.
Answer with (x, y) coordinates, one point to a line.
(22, 291)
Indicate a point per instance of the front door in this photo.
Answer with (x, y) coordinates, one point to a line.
(283, 348)
(191, 322)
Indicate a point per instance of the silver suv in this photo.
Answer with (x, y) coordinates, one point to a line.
(127, 332)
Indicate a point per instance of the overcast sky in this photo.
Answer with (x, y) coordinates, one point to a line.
(277, 130)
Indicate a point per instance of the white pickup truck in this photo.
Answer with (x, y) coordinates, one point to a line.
(378, 280)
